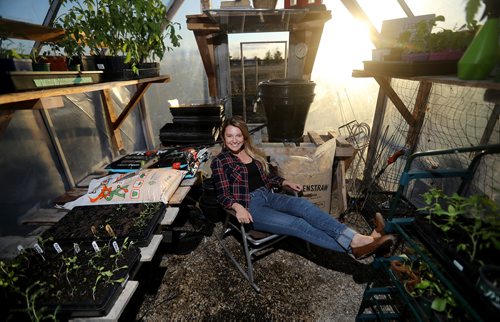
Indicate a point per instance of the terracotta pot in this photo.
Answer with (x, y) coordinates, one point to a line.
(57, 63)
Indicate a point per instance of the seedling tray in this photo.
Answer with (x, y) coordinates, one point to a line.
(85, 224)
(73, 292)
(161, 159)
(22, 81)
(458, 268)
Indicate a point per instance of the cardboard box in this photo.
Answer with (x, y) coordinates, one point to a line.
(307, 164)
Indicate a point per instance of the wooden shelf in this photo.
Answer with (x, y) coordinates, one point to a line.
(24, 30)
(7, 100)
(445, 79)
(50, 98)
(261, 20)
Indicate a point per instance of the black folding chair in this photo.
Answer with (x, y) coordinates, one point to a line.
(256, 244)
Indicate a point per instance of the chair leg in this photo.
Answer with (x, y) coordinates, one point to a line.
(248, 273)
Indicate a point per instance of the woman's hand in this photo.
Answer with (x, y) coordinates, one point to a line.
(292, 185)
(242, 214)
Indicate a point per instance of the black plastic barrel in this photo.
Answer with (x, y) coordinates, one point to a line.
(286, 103)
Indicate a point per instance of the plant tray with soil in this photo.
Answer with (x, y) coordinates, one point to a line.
(457, 263)
(46, 282)
(24, 81)
(84, 224)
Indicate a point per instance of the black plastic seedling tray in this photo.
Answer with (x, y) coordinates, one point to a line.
(84, 224)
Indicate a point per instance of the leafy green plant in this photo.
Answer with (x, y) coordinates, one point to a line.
(136, 29)
(30, 296)
(6, 51)
(416, 39)
(475, 215)
(71, 266)
(419, 281)
(104, 274)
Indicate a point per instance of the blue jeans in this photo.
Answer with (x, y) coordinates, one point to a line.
(288, 215)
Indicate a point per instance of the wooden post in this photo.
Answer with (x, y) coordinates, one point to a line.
(109, 111)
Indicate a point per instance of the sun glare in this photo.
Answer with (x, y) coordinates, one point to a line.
(344, 45)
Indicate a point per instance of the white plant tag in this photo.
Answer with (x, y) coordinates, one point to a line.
(57, 248)
(458, 265)
(20, 248)
(76, 248)
(115, 246)
(96, 248)
(38, 249)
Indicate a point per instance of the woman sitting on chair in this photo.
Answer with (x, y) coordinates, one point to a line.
(243, 181)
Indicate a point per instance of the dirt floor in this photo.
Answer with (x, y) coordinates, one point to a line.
(296, 285)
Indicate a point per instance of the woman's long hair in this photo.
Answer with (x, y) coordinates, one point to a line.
(248, 146)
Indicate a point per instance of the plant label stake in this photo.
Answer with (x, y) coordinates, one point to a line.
(76, 247)
(39, 250)
(96, 248)
(20, 248)
(115, 246)
(458, 265)
(57, 248)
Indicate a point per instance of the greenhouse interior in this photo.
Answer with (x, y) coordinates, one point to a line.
(315, 160)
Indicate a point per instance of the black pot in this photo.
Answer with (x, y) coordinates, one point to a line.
(286, 104)
(488, 283)
(15, 64)
(145, 70)
(41, 67)
(113, 67)
(89, 63)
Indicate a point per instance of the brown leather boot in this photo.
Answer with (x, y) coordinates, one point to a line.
(379, 246)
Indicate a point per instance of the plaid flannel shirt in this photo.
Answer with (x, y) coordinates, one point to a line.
(230, 177)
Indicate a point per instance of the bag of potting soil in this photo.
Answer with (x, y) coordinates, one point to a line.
(147, 185)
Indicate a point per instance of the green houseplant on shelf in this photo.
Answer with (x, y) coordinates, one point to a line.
(148, 33)
(444, 44)
(11, 59)
(122, 33)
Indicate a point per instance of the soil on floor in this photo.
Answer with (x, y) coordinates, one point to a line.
(297, 283)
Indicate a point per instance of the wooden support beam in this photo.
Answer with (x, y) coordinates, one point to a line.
(141, 90)
(424, 91)
(393, 96)
(5, 117)
(109, 111)
(315, 138)
(490, 126)
(357, 12)
(207, 52)
(24, 30)
(378, 120)
(36, 104)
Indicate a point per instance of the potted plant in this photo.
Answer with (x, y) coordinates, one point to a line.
(55, 56)
(413, 43)
(472, 221)
(11, 59)
(420, 283)
(450, 44)
(121, 32)
(38, 64)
